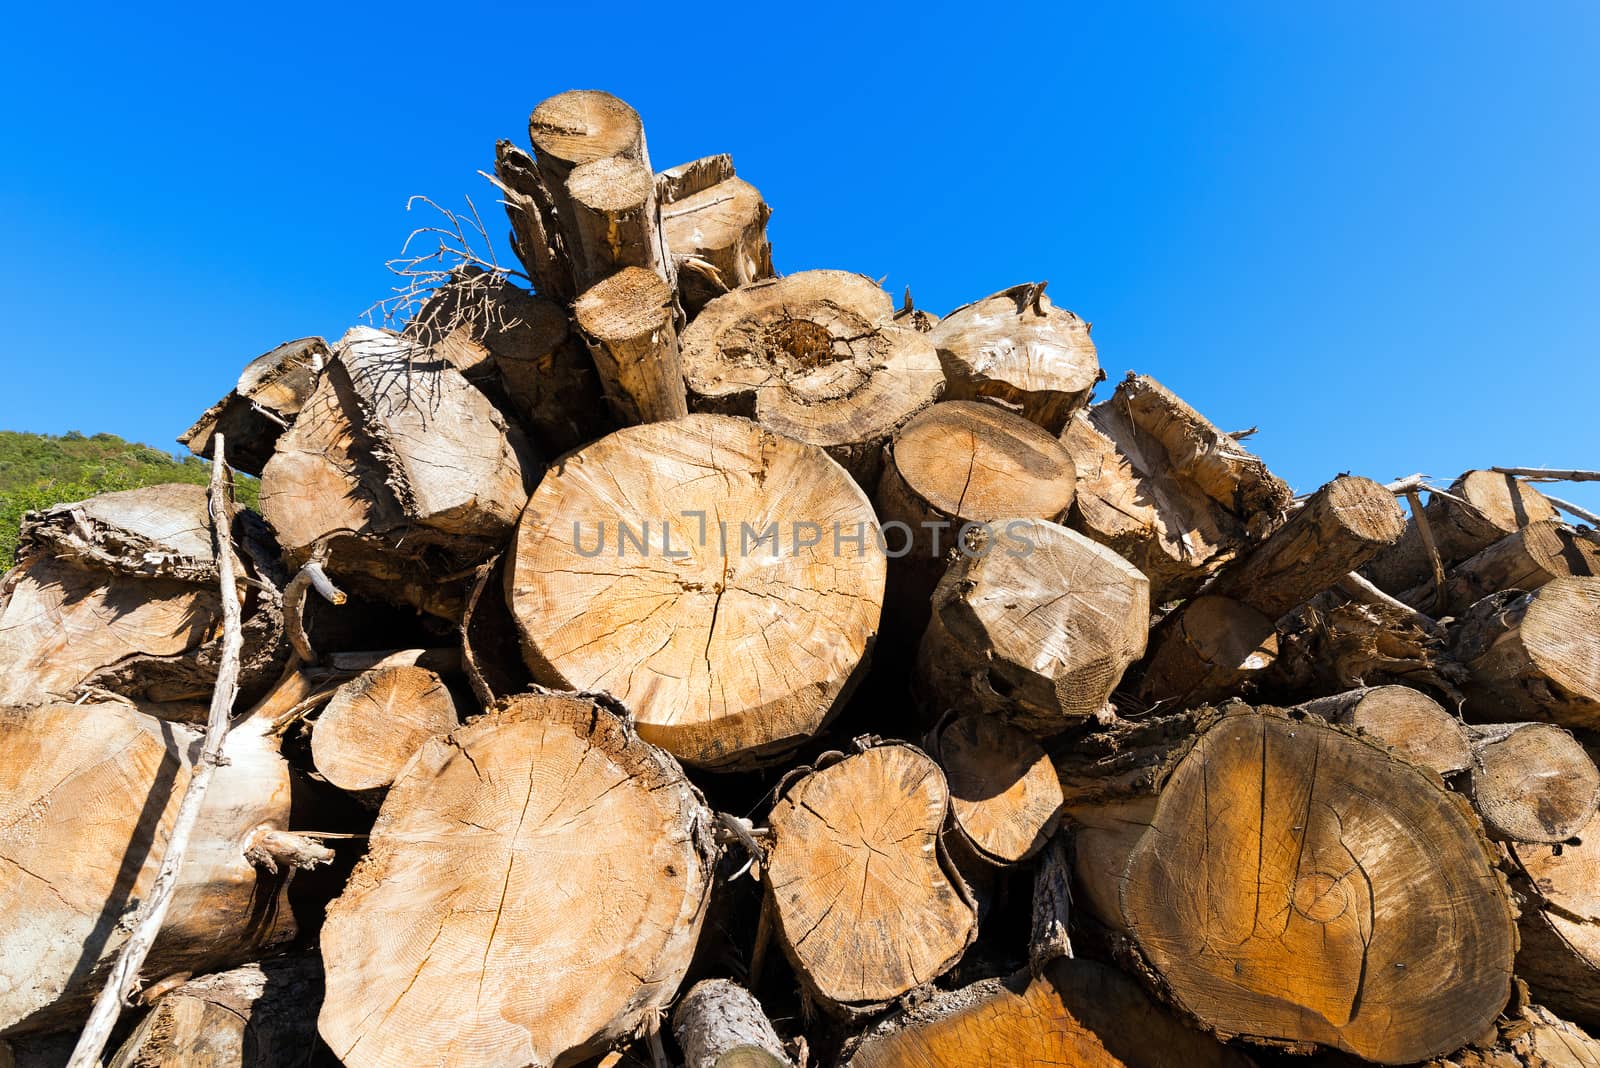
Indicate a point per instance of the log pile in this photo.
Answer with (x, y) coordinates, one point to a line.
(643, 658)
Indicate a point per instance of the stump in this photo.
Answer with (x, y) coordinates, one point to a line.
(716, 226)
(374, 723)
(1005, 799)
(721, 581)
(1078, 1014)
(444, 948)
(1040, 638)
(1532, 782)
(816, 356)
(1487, 507)
(719, 1024)
(1308, 910)
(270, 392)
(1017, 349)
(1559, 955)
(1533, 656)
(1410, 722)
(88, 794)
(868, 907)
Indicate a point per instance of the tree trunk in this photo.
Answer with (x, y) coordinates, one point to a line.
(1532, 782)
(1166, 489)
(1018, 350)
(1039, 637)
(1309, 909)
(1560, 923)
(868, 905)
(615, 222)
(374, 723)
(716, 226)
(445, 949)
(90, 792)
(1487, 507)
(627, 323)
(1534, 656)
(815, 356)
(1005, 798)
(521, 351)
(719, 580)
(1337, 530)
(399, 471)
(1525, 559)
(1079, 1013)
(720, 1024)
(270, 392)
(258, 1015)
(1408, 721)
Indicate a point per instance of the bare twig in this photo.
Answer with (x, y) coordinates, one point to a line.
(1359, 589)
(1548, 474)
(152, 912)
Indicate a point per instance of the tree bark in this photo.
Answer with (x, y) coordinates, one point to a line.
(261, 1014)
(1005, 798)
(1039, 638)
(1018, 350)
(400, 471)
(1559, 955)
(270, 392)
(1166, 489)
(92, 793)
(815, 356)
(627, 324)
(719, 1024)
(870, 823)
(1077, 1013)
(1532, 782)
(444, 948)
(716, 226)
(1308, 910)
(374, 723)
(1525, 559)
(721, 581)
(1482, 507)
(1533, 656)
(1410, 722)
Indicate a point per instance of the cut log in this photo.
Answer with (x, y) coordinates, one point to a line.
(719, 1024)
(1166, 489)
(444, 948)
(1309, 910)
(1017, 349)
(270, 392)
(521, 351)
(534, 235)
(721, 581)
(88, 794)
(1079, 1014)
(1525, 559)
(1039, 637)
(1005, 798)
(716, 226)
(1532, 782)
(374, 723)
(615, 221)
(1482, 507)
(1205, 651)
(627, 323)
(816, 356)
(1535, 656)
(868, 906)
(261, 1014)
(1559, 955)
(1408, 721)
(399, 471)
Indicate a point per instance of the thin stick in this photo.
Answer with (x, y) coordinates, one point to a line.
(1426, 530)
(1571, 509)
(1548, 474)
(153, 911)
(1358, 588)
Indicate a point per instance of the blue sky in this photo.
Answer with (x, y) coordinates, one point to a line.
(1371, 229)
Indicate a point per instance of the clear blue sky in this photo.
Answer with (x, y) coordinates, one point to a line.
(1371, 229)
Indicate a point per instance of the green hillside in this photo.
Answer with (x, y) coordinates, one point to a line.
(38, 470)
